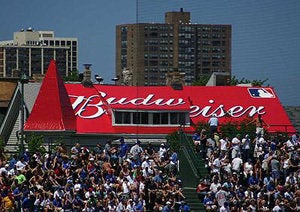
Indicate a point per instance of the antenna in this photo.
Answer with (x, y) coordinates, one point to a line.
(137, 11)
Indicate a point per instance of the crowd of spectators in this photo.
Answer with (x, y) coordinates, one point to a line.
(244, 174)
(116, 176)
(249, 174)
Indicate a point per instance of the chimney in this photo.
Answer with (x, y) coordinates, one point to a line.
(87, 73)
(87, 80)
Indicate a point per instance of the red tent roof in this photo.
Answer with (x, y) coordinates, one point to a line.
(92, 107)
(52, 110)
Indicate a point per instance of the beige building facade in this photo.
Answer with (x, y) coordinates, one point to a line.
(31, 51)
(152, 50)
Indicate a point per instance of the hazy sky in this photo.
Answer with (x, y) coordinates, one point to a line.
(265, 34)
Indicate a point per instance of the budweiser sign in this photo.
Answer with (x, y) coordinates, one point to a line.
(93, 106)
(97, 105)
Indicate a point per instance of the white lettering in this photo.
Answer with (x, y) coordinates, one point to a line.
(86, 104)
(146, 101)
(92, 107)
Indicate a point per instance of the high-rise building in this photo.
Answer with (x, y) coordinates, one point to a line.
(31, 51)
(150, 51)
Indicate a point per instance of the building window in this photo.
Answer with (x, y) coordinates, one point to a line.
(151, 118)
(122, 117)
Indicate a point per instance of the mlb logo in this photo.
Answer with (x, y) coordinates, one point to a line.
(261, 92)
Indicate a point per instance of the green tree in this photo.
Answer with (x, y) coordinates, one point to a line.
(235, 81)
(202, 81)
(36, 143)
(231, 129)
(2, 145)
(174, 140)
(73, 76)
(201, 125)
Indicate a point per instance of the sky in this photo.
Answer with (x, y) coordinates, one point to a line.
(265, 33)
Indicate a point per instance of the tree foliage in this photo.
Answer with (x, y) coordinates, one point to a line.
(174, 140)
(202, 81)
(236, 81)
(2, 145)
(233, 81)
(73, 76)
(230, 129)
(36, 143)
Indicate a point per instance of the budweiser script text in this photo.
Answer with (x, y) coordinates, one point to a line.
(96, 105)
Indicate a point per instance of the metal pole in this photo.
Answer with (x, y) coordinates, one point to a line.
(22, 118)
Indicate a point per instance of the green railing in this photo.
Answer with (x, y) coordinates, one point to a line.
(194, 158)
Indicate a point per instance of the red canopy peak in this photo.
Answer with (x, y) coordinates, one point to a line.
(52, 110)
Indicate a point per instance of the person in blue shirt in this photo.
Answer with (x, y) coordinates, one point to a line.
(158, 177)
(12, 162)
(83, 173)
(253, 181)
(111, 177)
(57, 202)
(174, 156)
(27, 203)
(196, 140)
(184, 207)
(167, 207)
(26, 155)
(123, 150)
(208, 201)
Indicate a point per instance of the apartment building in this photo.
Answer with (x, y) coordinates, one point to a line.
(149, 52)
(31, 51)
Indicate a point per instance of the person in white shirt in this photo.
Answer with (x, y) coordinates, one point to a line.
(277, 207)
(291, 179)
(248, 168)
(225, 207)
(213, 123)
(214, 186)
(221, 196)
(216, 165)
(121, 206)
(290, 145)
(236, 164)
(147, 172)
(20, 165)
(136, 150)
(162, 150)
(125, 187)
(146, 163)
(129, 206)
(259, 143)
(235, 143)
(246, 142)
(223, 145)
(89, 193)
(4, 169)
(59, 192)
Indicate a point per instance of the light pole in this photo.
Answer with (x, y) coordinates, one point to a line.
(98, 78)
(115, 79)
(23, 79)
